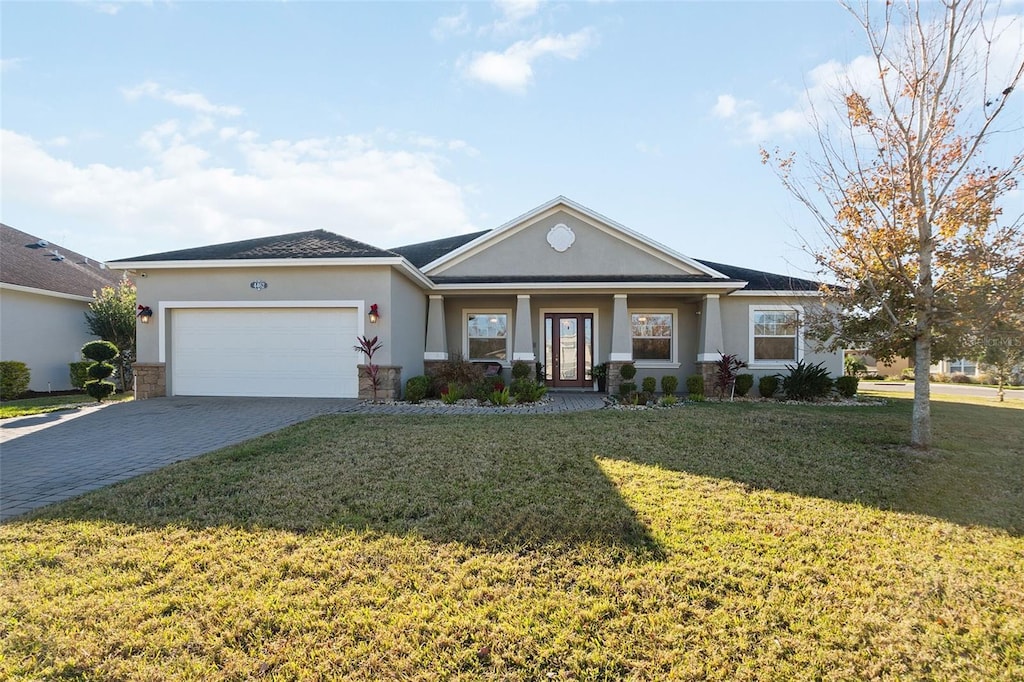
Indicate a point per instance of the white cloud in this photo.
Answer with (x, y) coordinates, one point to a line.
(517, 10)
(725, 107)
(186, 100)
(454, 25)
(185, 194)
(650, 149)
(11, 63)
(512, 70)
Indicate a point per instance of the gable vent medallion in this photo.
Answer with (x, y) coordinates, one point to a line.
(561, 237)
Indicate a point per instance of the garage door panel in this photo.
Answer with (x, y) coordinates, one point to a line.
(286, 352)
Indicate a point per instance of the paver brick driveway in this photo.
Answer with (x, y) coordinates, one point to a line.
(119, 441)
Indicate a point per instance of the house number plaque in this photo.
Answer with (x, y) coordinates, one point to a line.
(259, 285)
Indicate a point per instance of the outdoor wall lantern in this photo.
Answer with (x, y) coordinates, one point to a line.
(145, 314)
(374, 313)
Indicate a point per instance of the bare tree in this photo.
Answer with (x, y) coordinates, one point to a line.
(908, 183)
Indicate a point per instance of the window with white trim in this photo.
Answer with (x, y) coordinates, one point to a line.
(775, 334)
(653, 334)
(964, 366)
(487, 336)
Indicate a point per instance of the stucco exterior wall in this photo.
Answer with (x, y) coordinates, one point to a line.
(408, 308)
(44, 332)
(737, 331)
(594, 252)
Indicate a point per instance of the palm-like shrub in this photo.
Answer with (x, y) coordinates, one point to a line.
(806, 382)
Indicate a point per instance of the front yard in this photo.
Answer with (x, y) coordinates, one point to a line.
(713, 541)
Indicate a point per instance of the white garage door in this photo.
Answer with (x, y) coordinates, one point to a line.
(281, 352)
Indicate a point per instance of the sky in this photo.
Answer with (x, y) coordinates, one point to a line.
(131, 128)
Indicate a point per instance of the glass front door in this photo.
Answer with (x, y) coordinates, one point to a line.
(569, 349)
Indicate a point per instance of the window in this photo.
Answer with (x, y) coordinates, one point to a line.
(487, 336)
(652, 336)
(963, 366)
(775, 334)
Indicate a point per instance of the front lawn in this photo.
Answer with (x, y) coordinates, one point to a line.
(715, 541)
(43, 405)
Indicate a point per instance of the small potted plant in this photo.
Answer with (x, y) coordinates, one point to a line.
(600, 374)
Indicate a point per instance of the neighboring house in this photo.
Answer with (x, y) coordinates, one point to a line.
(561, 286)
(45, 290)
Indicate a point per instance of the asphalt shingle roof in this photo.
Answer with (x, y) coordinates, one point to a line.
(312, 244)
(25, 262)
(427, 252)
(763, 281)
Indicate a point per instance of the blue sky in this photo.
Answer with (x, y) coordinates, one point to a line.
(131, 128)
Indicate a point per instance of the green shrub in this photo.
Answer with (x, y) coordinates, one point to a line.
(527, 390)
(806, 382)
(907, 374)
(79, 372)
(451, 394)
(669, 384)
(768, 385)
(744, 382)
(847, 386)
(14, 379)
(649, 384)
(627, 388)
(100, 351)
(416, 388)
(961, 379)
(668, 400)
(483, 388)
(695, 385)
(627, 372)
(521, 370)
(455, 370)
(499, 397)
(854, 366)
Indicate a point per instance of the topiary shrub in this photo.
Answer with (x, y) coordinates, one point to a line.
(521, 370)
(847, 386)
(744, 382)
(100, 352)
(669, 384)
(695, 386)
(806, 382)
(627, 372)
(649, 384)
(768, 385)
(79, 372)
(627, 389)
(416, 388)
(14, 379)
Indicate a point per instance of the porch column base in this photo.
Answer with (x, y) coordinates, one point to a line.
(708, 370)
(614, 378)
(150, 380)
(390, 383)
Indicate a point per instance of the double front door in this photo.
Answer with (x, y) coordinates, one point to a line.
(569, 349)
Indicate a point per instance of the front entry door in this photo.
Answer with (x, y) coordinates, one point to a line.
(569, 349)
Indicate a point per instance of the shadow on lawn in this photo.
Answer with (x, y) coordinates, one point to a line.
(973, 476)
(474, 480)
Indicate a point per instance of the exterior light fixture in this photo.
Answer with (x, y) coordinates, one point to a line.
(374, 313)
(145, 314)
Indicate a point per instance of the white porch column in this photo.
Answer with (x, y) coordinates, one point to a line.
(622, 338)
(437, 339)
(522, 348)
(711, 340)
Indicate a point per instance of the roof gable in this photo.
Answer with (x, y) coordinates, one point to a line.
(311, 244)
(31, 262)
(562, 238)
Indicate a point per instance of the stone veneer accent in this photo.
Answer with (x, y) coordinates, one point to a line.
(390, 383)
(708, 370)
(614, 379)
(150, 380)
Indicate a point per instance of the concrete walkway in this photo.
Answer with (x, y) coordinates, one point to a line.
(54, 457)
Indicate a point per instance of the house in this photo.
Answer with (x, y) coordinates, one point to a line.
(561, 286)
(45, 290)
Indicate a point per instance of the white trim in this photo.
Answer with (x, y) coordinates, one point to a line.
(509, 331)
(164, 307)
(620, 296)
(47, 292)
(774, 364)
(525, 357)
(557, 286)
(755, 292)
(522, 296)
(620, 357)
(542, 338)
(708, 357)
(673, 358)
(580, 212)
(394, 261)
(434, 355)
(435, 296)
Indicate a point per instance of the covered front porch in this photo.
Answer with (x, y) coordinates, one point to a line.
(567, 334)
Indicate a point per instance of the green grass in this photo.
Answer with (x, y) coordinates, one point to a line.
(716, 541)
(31, 406)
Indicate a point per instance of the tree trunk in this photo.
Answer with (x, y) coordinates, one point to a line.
(921, 421)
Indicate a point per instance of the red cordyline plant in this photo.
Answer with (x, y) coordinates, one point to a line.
(726, 369)
(368, 347)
